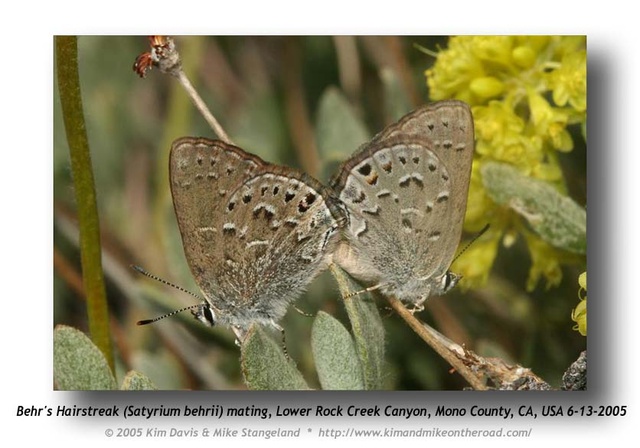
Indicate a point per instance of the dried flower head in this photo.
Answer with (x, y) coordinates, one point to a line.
(163, 55)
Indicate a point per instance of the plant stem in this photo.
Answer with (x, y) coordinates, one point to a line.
(202, 107)
(88, 221)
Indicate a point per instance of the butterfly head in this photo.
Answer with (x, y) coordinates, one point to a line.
(446, 283)
(417, 291)
(205, 314)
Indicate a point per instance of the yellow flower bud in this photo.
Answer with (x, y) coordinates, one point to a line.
(582, 280)
(579, 316)
(487, 87)
(524, 56)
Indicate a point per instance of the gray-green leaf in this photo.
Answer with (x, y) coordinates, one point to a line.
(335, 355)
(137, 381)
(556, 218)
(340, 132)
(264, 365)
(367, 329)
(77, 363)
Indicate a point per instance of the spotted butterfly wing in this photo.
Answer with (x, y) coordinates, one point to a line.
(406, 194)
(254, 234)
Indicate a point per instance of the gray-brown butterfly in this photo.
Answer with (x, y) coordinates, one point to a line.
(406, 195)
(254, 234)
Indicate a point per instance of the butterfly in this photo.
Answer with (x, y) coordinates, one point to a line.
(406, 193)
(254, 234)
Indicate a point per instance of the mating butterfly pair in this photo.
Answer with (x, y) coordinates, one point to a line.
(255, 234)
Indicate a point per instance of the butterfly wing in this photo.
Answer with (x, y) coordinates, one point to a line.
(279, 229)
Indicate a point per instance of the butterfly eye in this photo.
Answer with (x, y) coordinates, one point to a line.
(204, 313)
(449, 281)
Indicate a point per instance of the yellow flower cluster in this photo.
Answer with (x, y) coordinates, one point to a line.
(524, 92)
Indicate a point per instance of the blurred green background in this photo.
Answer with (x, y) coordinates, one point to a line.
(268, 92)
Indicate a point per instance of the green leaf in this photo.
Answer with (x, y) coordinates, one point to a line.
(367, 328)
(556, 218)
(339, 129)
(265, 366)
(137, 381)
(335, 355)
(77, 363)
(258, 127)
(396, 100)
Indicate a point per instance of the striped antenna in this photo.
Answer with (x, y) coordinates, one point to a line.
(478, 235)
(179, 288)
(155, 319)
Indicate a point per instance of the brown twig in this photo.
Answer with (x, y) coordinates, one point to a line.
(447, 349)
(473, 368)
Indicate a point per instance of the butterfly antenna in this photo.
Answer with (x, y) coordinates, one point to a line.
(478, 235)
(155, 319)
(158, 279)
(179, 288)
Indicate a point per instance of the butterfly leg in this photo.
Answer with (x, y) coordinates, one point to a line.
(284, 343)
(301, 312)
(369, 289)
(239, 335)
(417, 307)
